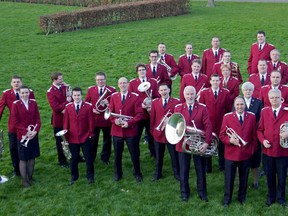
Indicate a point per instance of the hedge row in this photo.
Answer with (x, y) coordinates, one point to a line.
(112, 14)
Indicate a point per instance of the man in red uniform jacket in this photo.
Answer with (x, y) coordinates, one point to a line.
(211, 56)
(217, 101)
(58, 98)
(228, 82)
(275, 83)
(260, 79)
(238, 148)
(146, 105)
(185, 61)
(269, 134)
(161, 109)
(78, 121)
(168, 59)
(226, 59)
(125, 127)
(157, 71)
(193, 111)
(94, 93)
(196, 79)
(276, 64)
(259, 50)
(7, 99)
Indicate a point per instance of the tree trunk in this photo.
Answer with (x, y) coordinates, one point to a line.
(211, 3)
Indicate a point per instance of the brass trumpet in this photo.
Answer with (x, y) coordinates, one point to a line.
(101, 101)
(283, 128)
(30, 129)
(231, 133)
(65, 144)
(162, 124)
(108, 113)
(144, 87)
(1, 143)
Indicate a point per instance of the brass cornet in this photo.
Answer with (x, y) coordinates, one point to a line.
(231, 133)
(65, 144)
(108, 113)
(30, 129)
(101, 101)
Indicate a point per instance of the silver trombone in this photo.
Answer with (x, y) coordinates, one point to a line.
(231, 133)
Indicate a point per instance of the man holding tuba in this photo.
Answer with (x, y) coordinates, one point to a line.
(99, 96)
(161, 110)
(238, 133)
(197, 112)
(270, 133)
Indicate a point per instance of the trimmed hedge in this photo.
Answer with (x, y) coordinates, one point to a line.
(112, 14)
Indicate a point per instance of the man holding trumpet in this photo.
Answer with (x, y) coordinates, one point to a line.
(238, 133)
(99, 96)
(273, 134)
(161, 110)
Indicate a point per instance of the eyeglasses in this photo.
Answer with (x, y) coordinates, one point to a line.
(153, 56)
(100, 79)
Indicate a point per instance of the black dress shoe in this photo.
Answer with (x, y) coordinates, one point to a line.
(117, 178)
(262, 173)
(72, 182)
(91, 181)
(225, 205)
(155, 178)
(139, 178)
(283, 204)
(106, 162)
(205, 199)
(269, 203)
(242, 201)
(255, 186)
(184, 198)
(177, 177)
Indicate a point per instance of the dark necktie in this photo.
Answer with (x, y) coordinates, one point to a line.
(154, 71)
(190, 110)
(262, 80)
(215, 95)
(17, 96)
(77, 108)
(241, 120)
(274, 66)
(165, 103)
(143, 80)
(123, 99)
(60, 88)
(216, 54)
(162, 58)
(101, 92)
(189, 59)
(196, 78)
(260, 47)
(275, 115)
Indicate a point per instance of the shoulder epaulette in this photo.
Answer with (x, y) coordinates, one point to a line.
(6, 90)
(201, 104)
(178, 105)
(49, 89)
(182, 55)
(230, 113)
(16, 101)
(135, 94)
(33, 100)
(88, 103)
(90, 87)
(133, 79)
(114, 93)
(68, 104)
(250, 112)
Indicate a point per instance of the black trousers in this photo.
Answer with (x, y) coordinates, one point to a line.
(61, 157)
(230, 172)
(13, 146)
(134, 150)
(75, 150)
(276, 166)
(107, 143)
(200, 168)
(221, 160)
(160, 150)
(146, 124)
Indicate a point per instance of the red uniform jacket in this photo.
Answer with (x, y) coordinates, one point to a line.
(131, 107)
(169, 60)
(92, 97)
(184, 65)
(133, 87)
(281, 67)
(161, 74)
(189, 80)
(208, 60)
(8, 97)
(235, 71)
(57, 101)
(264, 94)
(247, 131)
(269, 129)
(157, 114)
(80, 126)
(21, 118)
(256, 55)
(217, 108)
(201, 120)
(232, 86)
(255, 79)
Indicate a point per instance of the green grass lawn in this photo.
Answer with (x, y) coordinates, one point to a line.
(116, 49)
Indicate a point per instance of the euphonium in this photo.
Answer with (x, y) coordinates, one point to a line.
(231, 133)
(283, 128)
(144, 87)
(1, 143)
(30, 129)
(194, 138)
(101, 101)
(65, 144)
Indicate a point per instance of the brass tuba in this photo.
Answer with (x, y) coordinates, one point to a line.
(1, 143)
(194, 138)
(101, 101)
(283, 128)
(144, 87)
(65, 144)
